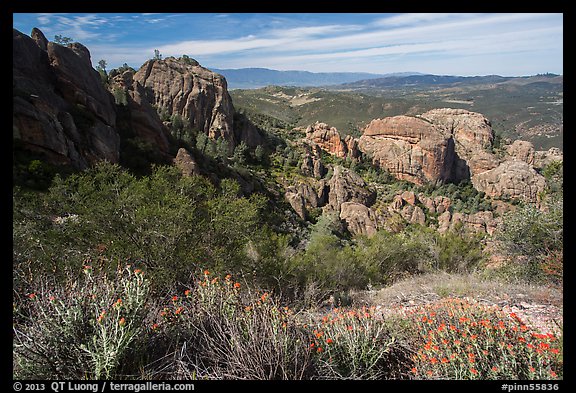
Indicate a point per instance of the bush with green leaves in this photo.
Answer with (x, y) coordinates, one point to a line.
(166, 222)
(81, 329)
(534, 238)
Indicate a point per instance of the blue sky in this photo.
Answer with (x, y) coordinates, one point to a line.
(437, 43)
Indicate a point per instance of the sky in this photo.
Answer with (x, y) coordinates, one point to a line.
(435, 43)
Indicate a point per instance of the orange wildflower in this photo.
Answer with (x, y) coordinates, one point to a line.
(155, 326)
(433, 360)
(237, 285)
(179, 310)
(319, 349)
(474, 371)
(555, 351)
(414, 370)
(329, 341)
(553, 374)
(544, 346)
(206, 272)
(32, 296)
(118, 303)
(532, 369)
(444, 360)
(122, 321)
(187, 293)
(494, 368)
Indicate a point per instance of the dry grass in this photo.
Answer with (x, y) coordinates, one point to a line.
(431, 287)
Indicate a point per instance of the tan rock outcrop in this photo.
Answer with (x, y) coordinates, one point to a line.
(522, 150)
(186, 163)
(409, 148)
(543, 158)
(347, 186)
(329, 140)
(439, 145)
(359, 219)
(511, 179)
(190, 91)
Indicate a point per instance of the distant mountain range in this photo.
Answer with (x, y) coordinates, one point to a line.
(253, 78)
(429, 80)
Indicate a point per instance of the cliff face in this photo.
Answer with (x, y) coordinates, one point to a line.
(409, 148)
(451, 145)
(191, 91)
(60, 107)
(63, 111)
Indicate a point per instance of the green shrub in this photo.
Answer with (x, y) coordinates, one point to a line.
(357, 344)
(222, 330)
(166, 222)
(79, 330)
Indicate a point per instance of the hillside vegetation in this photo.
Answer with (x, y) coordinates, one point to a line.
(528, 108)
(167, 230)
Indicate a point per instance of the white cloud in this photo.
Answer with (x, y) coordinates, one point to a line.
(404, 42)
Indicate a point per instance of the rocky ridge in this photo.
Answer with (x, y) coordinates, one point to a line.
(65, 113)
(60, 107)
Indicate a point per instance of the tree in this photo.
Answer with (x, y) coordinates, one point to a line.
(102, 65)
(62, 40)
(259, 153)
(157, 55)
(101, 68)
(201, 142)
(223, 149)
(240, 153)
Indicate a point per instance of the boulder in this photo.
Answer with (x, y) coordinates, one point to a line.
(297, 202)
(413, 214)
(521, 150)
(347, 186)
(511, 179)
(186, 163)
(359, 219)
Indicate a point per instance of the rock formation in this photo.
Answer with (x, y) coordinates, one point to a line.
(511, 179)
(409, 148)
(543, 158)
(359, 219)
(473, 136)
(521, 150)
(60, 106)
(190, 91)
(347, 186)
(141, 118)
(186, 163)
(329, 140)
